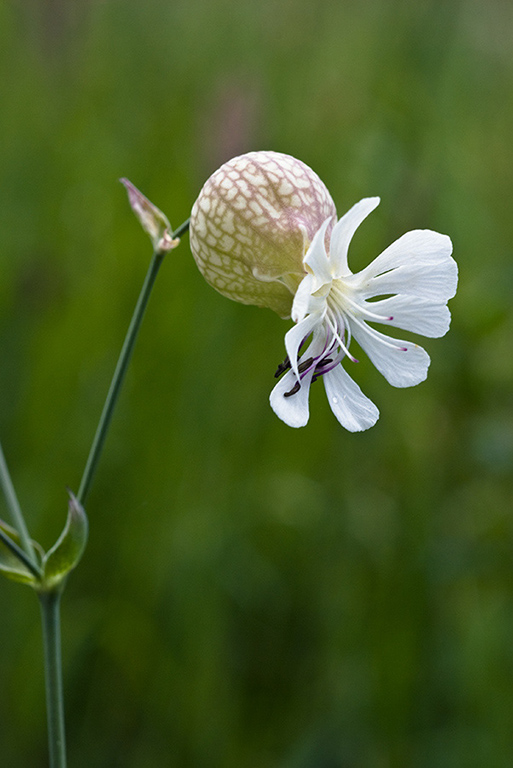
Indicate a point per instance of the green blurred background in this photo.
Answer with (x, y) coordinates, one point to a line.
(253, 595)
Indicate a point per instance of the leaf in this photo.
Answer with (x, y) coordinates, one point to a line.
(10, 565)
(69, 547)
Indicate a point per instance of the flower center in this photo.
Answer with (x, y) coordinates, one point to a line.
(340, 304)
(330, 342)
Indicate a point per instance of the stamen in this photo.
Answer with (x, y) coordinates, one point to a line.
(282, 368)
(328, 364)
(304, 366)
(342, 298)
(293, 391)
(349, 337)
(378, 336)
(334, 329)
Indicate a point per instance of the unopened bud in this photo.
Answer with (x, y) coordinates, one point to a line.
(151, 219)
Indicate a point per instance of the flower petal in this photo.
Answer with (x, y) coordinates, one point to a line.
(413, 314)
(293, 410)
(295, 337)
(421, 265)
(343, 232)
(351, 407)
(434, 282)
(304, 303)
(402, 363)
(316, 259)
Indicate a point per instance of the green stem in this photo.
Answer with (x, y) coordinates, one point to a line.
(15, 509)
(50, 616)
(20, 554)
(119, 373)
(182, 228)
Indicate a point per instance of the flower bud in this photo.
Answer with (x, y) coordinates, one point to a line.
(252, 225)
(151, 219)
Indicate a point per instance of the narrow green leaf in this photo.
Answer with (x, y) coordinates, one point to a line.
(69, 547)
(12, 564)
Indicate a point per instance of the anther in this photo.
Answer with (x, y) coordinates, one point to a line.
(282, 368)
(294, 390)
(305, 365)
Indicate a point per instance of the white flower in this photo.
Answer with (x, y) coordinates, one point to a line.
(259, 232)
(407, 286)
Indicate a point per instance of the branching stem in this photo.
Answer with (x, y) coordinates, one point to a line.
(15, 510)
(120, 371)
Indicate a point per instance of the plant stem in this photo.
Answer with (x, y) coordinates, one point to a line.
(50, 600)
(50, 616)
(20, 554)
(118, 378)
(119, 373)
(181, 229)
(15, 509)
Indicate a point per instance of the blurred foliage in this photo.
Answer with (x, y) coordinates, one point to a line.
(253, 595)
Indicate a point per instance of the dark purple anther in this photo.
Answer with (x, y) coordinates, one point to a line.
(294, 390)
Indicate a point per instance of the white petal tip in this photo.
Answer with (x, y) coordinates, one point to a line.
(354, 411)
(289, 415)
(291, 409)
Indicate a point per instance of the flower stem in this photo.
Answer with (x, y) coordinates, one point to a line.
(119, 373)
(21, 555)
(15, 509)
(50, 616)
(181, 229)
